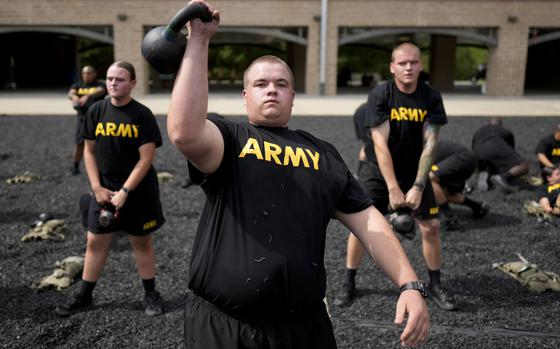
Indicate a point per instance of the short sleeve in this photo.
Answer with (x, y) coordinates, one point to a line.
(541, 146)
(354, 199)
(90, 122)
(436, 114)
(200, 178)
(377, 110)
(151, 130)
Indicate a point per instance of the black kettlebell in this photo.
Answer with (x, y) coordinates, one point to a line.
(163, 47)
(402, 223)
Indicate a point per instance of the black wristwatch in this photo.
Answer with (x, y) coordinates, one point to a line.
(419, 286)
(125, 189)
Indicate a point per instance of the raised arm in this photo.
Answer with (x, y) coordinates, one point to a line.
(373, 231)
(195, 137)
(414, 195)
(380, 136)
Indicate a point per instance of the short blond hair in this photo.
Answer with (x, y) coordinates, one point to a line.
(401, 46)
(268, 59)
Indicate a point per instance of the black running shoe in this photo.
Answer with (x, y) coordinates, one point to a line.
(346, 295)
(501, 183)
(481, 212)
(449, 223)
(73, 305)
(441, 298)
(153, 304)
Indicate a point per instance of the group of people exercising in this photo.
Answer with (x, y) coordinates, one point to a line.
(257, 273)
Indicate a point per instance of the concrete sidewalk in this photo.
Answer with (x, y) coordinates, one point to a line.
(12, 103)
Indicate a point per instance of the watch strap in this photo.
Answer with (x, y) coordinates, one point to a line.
(418, 285)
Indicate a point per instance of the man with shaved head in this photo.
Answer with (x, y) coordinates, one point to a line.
(404, 116)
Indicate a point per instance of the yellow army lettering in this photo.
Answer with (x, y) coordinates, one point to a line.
(86, 91)
(149, 224)
(552, 188)
(110, 129)
(408, 114)
(273, 153)
(434, 210)
(556, 152)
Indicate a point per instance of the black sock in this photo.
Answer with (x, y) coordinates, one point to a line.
(149, 285)
(434, 278)
(474, 205)
(350, 275)
(446, 209)
(86, 288)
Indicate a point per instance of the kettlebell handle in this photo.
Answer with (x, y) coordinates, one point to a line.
(194, 10)
(163, 47)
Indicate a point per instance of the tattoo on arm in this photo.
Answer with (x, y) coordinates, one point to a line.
(427, 158)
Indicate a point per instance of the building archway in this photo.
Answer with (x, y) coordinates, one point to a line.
(53, 57)
(443, 51)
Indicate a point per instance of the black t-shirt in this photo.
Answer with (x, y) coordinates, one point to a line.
(84, 89)
(261, 237)
(550, 147)
(362, 132)
(492, 133)
(119, 132)
(550, 191)
(407, 114)
(446, 149)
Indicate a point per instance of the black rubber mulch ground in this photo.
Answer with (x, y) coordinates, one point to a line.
(496, 312)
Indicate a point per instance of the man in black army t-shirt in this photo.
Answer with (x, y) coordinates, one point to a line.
(257, 274)
(549, 194)
(494, 146)
(404, 116)
(453, 165)
(82, 95)
(548, 150)
(121, 139)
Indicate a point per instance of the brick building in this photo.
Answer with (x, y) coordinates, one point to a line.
(507, 28)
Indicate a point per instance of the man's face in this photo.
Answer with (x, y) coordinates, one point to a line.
(88, 75)
(554, 178)
(406, 65)
(269, 95)
(119, 83)
(557, 134)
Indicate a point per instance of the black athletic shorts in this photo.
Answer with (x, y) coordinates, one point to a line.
(453, 171)
(141, 214)
(497, 155)
(79, 138)
(377, 191)
(208, 327)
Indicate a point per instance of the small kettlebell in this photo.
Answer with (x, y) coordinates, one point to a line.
(163, 47)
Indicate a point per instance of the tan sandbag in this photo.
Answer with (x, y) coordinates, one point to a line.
(535, 181)
(52, 229)
(529, 275)
(63, 275)
(164, 177)
(533, 208)
(26, 177)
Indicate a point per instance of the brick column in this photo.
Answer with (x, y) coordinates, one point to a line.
(312, 59)
(506, 63)
(442, 62)
(128, 36)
